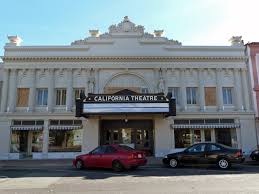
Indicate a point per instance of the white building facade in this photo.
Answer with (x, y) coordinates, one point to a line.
(40, 83)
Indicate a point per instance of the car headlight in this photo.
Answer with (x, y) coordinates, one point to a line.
(166, 156)
(256, 152)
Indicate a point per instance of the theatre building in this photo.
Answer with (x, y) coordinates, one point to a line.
(130, 83)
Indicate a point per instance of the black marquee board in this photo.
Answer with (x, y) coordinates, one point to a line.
(125, 102)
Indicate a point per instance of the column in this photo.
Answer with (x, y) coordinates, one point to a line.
(245, 89)
(164, 75)
(201, 90)
(219, 89)
(45, 145)
(183, 90)
(96, 78)
(5, 90)
(86, 74)
(238, 90)
(12, 90)
(202, 135)
(155, 80)
(32, 93)
(173, 137)
(69, 97)
(213, 136)
(50, 90)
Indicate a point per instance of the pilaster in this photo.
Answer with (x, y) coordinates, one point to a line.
(12, 90)
(32, 92)
(5, 90)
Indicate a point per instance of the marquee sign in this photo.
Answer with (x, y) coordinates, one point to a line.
(125, 102)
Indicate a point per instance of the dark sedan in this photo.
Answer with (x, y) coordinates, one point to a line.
(255, 155)
(205, 153)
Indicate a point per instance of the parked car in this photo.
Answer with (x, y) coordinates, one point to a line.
(117, 157)
(205, 153)
(255, 155)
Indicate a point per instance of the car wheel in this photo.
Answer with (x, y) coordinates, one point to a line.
(174, 163)
(79, 164)
(223, 163)
(117, 166)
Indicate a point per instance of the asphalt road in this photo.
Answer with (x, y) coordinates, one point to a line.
(239, 179)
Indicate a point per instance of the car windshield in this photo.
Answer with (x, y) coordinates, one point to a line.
(126, 147)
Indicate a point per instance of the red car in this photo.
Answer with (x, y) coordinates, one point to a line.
(117, 157)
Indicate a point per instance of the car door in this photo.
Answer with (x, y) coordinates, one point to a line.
(212, 152)
(194, 155)
(108, 156)
(94, 159)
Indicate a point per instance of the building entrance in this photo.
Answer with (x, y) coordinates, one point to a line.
(135, 133)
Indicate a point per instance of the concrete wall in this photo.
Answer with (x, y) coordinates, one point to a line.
(4, 138)
(163, 137)
(248, 134)
(90, 134)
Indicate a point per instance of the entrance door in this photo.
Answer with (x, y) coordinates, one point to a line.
(134, 133)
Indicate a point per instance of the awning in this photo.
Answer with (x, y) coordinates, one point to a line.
(205, 126)
(65, 127)
(26, 128)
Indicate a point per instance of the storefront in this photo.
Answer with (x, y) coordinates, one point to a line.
(137, 133)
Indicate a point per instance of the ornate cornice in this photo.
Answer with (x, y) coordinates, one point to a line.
(121, 58)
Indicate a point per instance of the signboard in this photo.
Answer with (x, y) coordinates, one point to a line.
(123, 103)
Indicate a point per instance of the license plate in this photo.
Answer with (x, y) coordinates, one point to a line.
(139, 156)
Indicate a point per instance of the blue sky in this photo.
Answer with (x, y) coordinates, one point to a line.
(192, 22)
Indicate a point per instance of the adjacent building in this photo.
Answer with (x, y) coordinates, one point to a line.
(252, 51)
(211, 85)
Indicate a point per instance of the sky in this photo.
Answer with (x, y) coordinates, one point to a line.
(192, 22)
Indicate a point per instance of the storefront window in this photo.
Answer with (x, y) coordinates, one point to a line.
(196, 136)
(37, 140)
(15, 142)
(207, 134)
(182, 138)
(126, 135)
(65, 140)
(20, 141)
(226, 136)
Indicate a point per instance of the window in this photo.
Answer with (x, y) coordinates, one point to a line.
(110, 150)
(61, 97)
(65, 140)
(175, 93)
(213, 147)
(210, 96)
(227, 95)
(37, 141)
(77, 93)
(207, 135)
(226, 137)
(196, 136)
(144, 90)
(191, 95)
(22, 97)
(42, 97)
(99, 150)
(19, 140)
(182, 138)
(197, 148)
